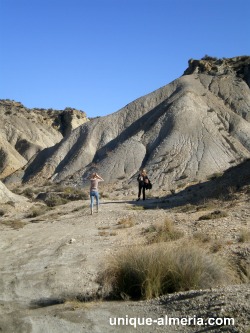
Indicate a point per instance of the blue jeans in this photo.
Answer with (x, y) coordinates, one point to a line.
(94, 194)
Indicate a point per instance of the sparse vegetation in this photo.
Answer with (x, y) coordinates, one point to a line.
(55, 200)
(216, 246)
(150, 271)
(244, 236)
(28, 192)
(60, 195)
(103, 233)
(126, 222)
(72, 193)
(163, 232)
(209, 58)
(135, 207)
(14, 224)
(217, 214)
(215, 175)
(2, 212)
(104, 195)
(186, 208)
(80, 208)
(37, 211)
(201, 237)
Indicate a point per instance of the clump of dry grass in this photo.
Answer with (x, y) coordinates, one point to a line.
(216, 246)
(126, 222)
(14, 224)
(28, 192)
(143, 272)
(37, 211)
(72, 193)
(135, 207)
(244, 236)
(215, 175)
(2, 212)
(217, 214)
(103, 233)
(207, 205)
(202, 237)
(55, 200)
(186, 208)
(163, 232)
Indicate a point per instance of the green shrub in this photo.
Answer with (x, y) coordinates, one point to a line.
(150, 271)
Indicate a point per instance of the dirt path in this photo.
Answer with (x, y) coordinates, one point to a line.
(57, 256)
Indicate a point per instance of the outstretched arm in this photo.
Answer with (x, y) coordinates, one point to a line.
(99, 177)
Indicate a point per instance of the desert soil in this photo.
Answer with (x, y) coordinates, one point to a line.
(49, 266)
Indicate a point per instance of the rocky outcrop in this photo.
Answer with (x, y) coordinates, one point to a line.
(25, 132)
(238, 66)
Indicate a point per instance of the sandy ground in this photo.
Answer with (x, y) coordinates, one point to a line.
(52, 262)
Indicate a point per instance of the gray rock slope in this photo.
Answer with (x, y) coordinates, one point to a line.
(7, 196)
(193, 127)
(25, 132)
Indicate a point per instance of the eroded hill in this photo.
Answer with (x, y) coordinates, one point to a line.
(191, 128)
(25, 132)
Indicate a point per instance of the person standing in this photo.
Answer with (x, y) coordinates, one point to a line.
(142, 183)
(93, 191)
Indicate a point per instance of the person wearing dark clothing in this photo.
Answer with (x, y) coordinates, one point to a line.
(142, 183)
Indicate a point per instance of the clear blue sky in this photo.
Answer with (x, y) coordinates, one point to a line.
(99, 55)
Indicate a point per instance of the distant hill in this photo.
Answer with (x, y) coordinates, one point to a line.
(191, 128)
(25, 132)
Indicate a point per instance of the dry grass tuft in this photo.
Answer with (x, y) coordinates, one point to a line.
(216, 246)
(126, 222)
(135, 207)
(55, 200)
(244, 236)
(14, 224)
(217, 214)
(2, 212)
(201, 237)
(37, 211)
(163, 232)
(143, 272)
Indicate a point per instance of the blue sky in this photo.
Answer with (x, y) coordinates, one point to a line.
(99, 55)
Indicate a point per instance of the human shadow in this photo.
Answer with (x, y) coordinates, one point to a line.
(218, 186)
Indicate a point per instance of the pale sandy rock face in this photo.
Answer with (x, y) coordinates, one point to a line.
(183, 132)
(191, 128)
(6, 195)
(25, 132)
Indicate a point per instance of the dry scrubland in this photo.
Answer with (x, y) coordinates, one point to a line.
(62, 267)
(183, 252)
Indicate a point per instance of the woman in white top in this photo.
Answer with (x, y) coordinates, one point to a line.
(94, 180)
